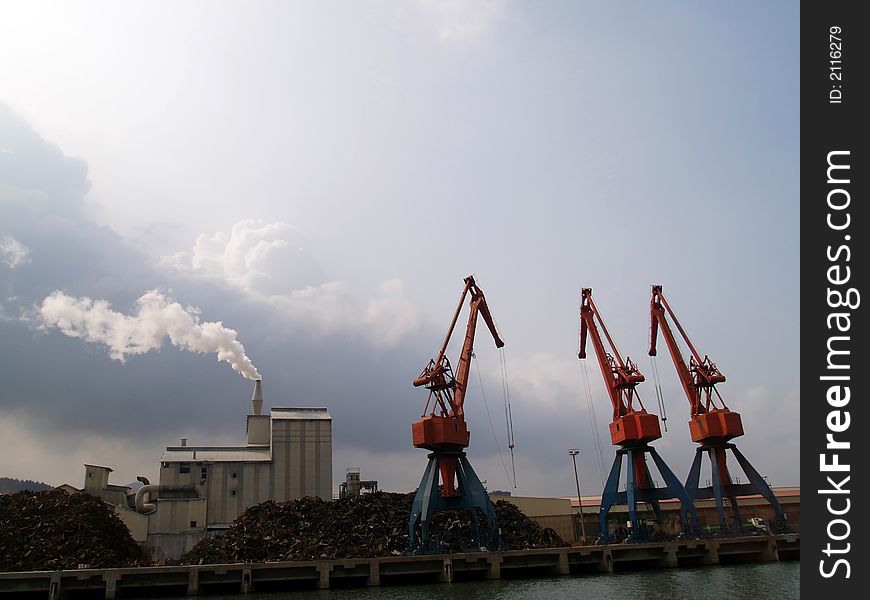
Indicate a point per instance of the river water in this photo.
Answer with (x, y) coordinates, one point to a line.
(758, 581)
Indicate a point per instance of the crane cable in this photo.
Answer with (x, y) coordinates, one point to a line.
(489, 415)
(658, 387)
(593, 418)
(508, 415)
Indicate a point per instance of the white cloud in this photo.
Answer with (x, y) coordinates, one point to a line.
(551, 381)
(268, 263)
(461, 21)
(325, 308)
(12, 252)
(254, 256)
(384, 320)
(391, 316)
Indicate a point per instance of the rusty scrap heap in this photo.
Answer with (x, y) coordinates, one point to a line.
(374, 524)
(45, 531)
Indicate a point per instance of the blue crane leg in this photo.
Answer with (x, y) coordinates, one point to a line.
(657, 509)
(630, 493)
(757, 481)
(676, 489)
(422, 508)
(694, 478)
(428, 500)
(610, 495)
(475, 496)
(717, 492)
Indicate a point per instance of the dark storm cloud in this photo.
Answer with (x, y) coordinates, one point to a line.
(57, 379)
(65, 382)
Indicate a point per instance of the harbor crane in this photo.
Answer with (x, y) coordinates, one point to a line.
(632, 429)
(443, 430)
(712, 424)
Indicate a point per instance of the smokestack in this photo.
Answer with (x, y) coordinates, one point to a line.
(257, 398)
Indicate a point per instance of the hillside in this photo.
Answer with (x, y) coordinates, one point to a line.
(10, 485)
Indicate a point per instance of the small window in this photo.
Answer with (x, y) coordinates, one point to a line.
(233, 475)
(193, 524)
(203, 473)
(232, 492)
(184, 468)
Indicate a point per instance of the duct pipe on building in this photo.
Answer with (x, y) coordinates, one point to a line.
(147, 507)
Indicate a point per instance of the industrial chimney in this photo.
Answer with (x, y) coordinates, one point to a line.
(259, 425)
(257, 398)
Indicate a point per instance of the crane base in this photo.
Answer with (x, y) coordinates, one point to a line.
(722, 487)
(638, 488)
(470, 495)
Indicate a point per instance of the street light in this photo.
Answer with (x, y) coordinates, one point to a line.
(574, 452)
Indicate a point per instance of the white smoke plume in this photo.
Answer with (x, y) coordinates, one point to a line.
(157, 317)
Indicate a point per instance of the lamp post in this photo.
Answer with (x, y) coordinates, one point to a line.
(574, 452)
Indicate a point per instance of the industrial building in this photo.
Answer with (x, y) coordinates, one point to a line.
(563, 514)
(751, 507)
(203, 488)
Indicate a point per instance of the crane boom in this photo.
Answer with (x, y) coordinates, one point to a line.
(631, 425)
(632, 428)
(442, 425)
(443, 430)
(711, 426)
(709, 423)
(449, 390)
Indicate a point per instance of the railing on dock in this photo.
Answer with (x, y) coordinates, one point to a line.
(247, 577)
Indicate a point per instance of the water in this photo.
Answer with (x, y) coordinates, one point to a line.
(774, 581)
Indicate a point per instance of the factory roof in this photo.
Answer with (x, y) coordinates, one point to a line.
(304, 413)
(176, 454)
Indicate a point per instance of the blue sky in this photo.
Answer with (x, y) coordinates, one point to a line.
(543, 147)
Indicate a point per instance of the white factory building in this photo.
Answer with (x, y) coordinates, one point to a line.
(202, 489)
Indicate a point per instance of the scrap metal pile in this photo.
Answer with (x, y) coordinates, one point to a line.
(372, 525)
(44, 531)
(520, 532)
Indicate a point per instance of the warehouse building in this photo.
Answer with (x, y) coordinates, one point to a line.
(562, 515)
(753, 506)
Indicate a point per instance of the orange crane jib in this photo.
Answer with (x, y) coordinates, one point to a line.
(709, 424)
(442, 425)
(631, 425)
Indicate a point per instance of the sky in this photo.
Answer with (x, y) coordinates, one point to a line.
(189, 191)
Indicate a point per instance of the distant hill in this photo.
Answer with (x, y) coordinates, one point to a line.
(9, 485)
